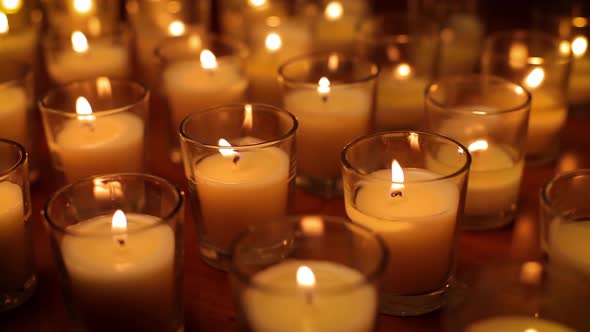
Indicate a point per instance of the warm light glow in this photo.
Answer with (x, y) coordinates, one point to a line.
(397, 177)
(479, 145)
(208, 60)
(257, 3)
(273, 42)
(119, 227)
(305, 277)
(12, 6)
(531, 273)
(333, 62)
(176, 28)
(312, 225)
(247, 124)
(535, 60)
(324, 86)
(107, 190)
(333, 11)
(94, 26)
(83, 6)
(531, 330)
(83, 109)
(519, 90)
(579, 22)
(226, 152)
(564, 48)
(103, 86)
(414, 141)
(518, 55)
(194, 42)
(3, 23)
(402, 71)
(273, 21)
(79, 42)
(579, 46)
(535, 78)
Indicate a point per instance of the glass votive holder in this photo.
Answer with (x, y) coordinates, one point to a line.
(405, 50)
(489, 116)
(235, 16)
(541, 63)
(17, 280)
(95, 127)
(332, 96)
(66, 16)
(117, 240)
(19, 31)
(393, 184)
(579, 88)
(79, 55)
(198, 72)
(239, 160)
(520, 297)
(307, 273)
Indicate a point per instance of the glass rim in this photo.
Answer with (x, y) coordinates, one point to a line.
(26, 73)
(240, 48)
(235, 107)
(525, 35)
(294, 220)
(547, 202)
(349, 167)
(121, 31)
(144, 94)
(311, 57)
(472, 78)
(114, 176)
(23, 156)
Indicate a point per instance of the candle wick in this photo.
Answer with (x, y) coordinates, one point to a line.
(325, 98)
(236, 159)
(396, 193)
(309, 298)
(121, 242)
(89, 125)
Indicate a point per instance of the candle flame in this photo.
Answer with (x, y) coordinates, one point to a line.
(103, 190)
(12, 6)
(273, 42)
(324, 86)
(83, 109)
(176, 28)
(535, 78)
(226, 152)
(402, 71)
(257, 3)
(333, 11)
(3, 23)
(208, 60)
(119, 227)
(79, 42)
(247, 124)
(305, 277)
(103, 86)
(579, 46)
(83, 6)
(479, 145)
(312, 225)
(397, 177)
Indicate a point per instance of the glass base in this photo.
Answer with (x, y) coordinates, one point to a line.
(326, 188)
(487, 222)
(215, 257)
(11, 300)
(412, 305)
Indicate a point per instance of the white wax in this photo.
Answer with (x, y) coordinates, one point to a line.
(101, 59)
(400, 103)
(108, 144)
(517, 324)
(190, 88)
(419, 227)
(13, 113)
(14, 262)
(19, 46)
(325, 127)
(233, 197)
(122, 287)
(347, 310)
(547, 117)
(569, 244)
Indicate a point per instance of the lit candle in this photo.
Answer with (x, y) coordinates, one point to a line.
(193, 86)
(91, 144)
(579, 89)
(14, 262)
(337, 26)
(18, 45)
(417, 218)
(303, 301)
(517, 324)
(13, 112)
(121, 271)
(85, 60)
(329, 117)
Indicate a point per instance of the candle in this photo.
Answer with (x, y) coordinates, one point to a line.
(254, 183)
(328, 118)
(517, 324)
(84, 61)
(300, 304)
(579, 89)
(14, 262)
(419, 235)
(568, 244)
(193, 86)
(13, 113)
(461, 42)
(89, 144)
(121, 272)
(17, 45)
(337, 26)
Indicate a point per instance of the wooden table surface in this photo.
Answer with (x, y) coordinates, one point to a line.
(207, 296)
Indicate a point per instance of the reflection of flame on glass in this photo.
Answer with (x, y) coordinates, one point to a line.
(312, 225)
(119, 227)
(479, 145)
(324, 87)
(106, 190)
(3, 23)
(176, 28)
(257, 3)
(208, 60)
(94, 26)
(305, 277)
(519, 90)
(83, 109)
(579, 22)
(579, 46)
(247, 124)
(103, 86)
(333, 62)
(83, 6)
(79, 42)
(226, 152)
(414, 141)
(531, 273)
(518, 55)
(397, 179)
(194, 42)
(333, 11)
(402, 71)
(11, 6)
(535, 78)
(273, 42)
(535, 61)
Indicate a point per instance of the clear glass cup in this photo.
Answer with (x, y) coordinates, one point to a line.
(96, 126)
(196, 73)
(242, 180)
(18, 279)
(541, 63)
(518, 296)
(81, 55)
(333, 97)
(406, 51)
(307, 273)
(388, 178)
(488, 115)
(66, 16)
(120, 271)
